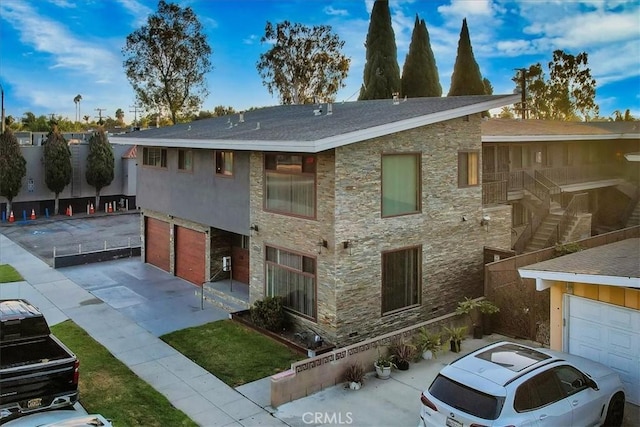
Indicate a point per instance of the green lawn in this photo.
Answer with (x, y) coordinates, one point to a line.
(9, 274)
(232, 352)
(109, 388)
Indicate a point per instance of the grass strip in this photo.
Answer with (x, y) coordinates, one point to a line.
(9, 274)
(110, 388)
(235, 354)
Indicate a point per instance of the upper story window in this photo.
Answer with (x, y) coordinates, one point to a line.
(290, 184)
(468, 162)
(400, 184)
(185, 160)
(224, 163)
(154, 156)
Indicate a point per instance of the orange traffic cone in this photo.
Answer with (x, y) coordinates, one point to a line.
(33, 214)
(110, 208)
(69, 211)
(11, 217)
(91, 209)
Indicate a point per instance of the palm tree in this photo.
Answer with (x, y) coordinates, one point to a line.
(77, 100)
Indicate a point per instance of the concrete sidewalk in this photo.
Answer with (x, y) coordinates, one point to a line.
(203, 397)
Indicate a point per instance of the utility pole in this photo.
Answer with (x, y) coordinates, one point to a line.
(2, 89)
(523, 92)
(100, 110)
(136, 108)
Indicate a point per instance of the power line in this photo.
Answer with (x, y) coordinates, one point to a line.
(99, 117)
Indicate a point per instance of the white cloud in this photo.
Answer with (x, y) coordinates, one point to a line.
(330, 10)
(251, 39)
(465, 8)
(138, 10)
(65, 4)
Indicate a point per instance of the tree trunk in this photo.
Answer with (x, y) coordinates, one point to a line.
(56, 205)
(8, 208)
(97, 199)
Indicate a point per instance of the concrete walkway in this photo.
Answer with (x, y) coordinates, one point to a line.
(203, 397)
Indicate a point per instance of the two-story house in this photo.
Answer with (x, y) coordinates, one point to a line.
(365, 216)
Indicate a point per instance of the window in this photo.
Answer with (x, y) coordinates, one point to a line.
(152, 156)
(224, 163)
(290, 184)
(571, 380)
(539, 391)
(401, 272)
(292, 277)
(468, 169)
(466, 399)
(185, 161)
(400, 184)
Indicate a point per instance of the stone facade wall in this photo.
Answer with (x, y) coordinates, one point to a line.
(349, 209)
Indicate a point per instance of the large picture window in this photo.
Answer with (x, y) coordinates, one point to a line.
(293, 277)
(153, 156)
(290, 181)
(468, 162)
(401, 279)
(400, 184)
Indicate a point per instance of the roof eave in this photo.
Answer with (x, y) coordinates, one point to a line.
(544, 279)
(551, 138)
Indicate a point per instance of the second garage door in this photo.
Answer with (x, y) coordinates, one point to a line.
(190, 255)
(608, 334)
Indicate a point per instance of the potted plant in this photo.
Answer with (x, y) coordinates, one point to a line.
(354, 376)
(428, 343)
(383, 365)
(456, 335)
(487, 308)
(403, 352)
(471, 308)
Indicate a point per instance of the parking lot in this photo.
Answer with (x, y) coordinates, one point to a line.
(71, 235)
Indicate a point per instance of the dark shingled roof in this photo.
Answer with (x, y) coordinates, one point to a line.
(619, 259)
(299, 123)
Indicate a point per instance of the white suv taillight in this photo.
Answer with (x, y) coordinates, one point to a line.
(426, 402)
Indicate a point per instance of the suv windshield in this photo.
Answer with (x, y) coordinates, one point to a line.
(466, 399)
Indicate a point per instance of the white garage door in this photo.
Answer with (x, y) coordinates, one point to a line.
(608, 334)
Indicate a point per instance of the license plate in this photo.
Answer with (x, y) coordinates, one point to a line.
(34, 403)
(453, 423)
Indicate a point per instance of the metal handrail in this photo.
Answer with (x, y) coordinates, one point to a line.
(554, 189)
(579, 204)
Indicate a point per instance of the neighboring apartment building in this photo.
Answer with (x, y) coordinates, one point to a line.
(35, 195)
(564, 180)
(365, 216)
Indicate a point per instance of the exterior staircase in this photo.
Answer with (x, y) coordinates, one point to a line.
(231, 296)
(634, 219)
(544, 232)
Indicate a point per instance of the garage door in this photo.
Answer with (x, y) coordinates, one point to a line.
(610, 335)
(156, 243)
(190, 255)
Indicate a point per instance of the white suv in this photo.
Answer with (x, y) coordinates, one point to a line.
(507, 384)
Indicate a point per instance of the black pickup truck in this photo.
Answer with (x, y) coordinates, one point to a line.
(37, 371)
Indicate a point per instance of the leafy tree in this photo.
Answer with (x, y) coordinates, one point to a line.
(466, 78)
(420, 73)
(303, 62)
(381, 71)
(120, 116)
(221, 110)
(35, 124)
(13, 167)
(100, 163)
(167, 61)
(568, 94)
(619, 117)
(488, 87)
(86, 119)
(57, 164)
(506, 113)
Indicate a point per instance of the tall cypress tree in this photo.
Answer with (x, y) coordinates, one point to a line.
(420, 73)
(57, 164)
(381, 71)
(466, 78)
(100, 163)
(13, 167)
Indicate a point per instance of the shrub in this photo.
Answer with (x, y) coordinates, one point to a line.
(269, 313)
(354, 373)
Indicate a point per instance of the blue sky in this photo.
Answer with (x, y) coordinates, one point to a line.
(52, 50)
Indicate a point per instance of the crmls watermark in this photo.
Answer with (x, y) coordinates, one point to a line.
(338, 418)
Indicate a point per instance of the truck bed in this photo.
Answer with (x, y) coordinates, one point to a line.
(42, 350)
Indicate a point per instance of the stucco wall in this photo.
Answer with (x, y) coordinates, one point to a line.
(200, 195)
